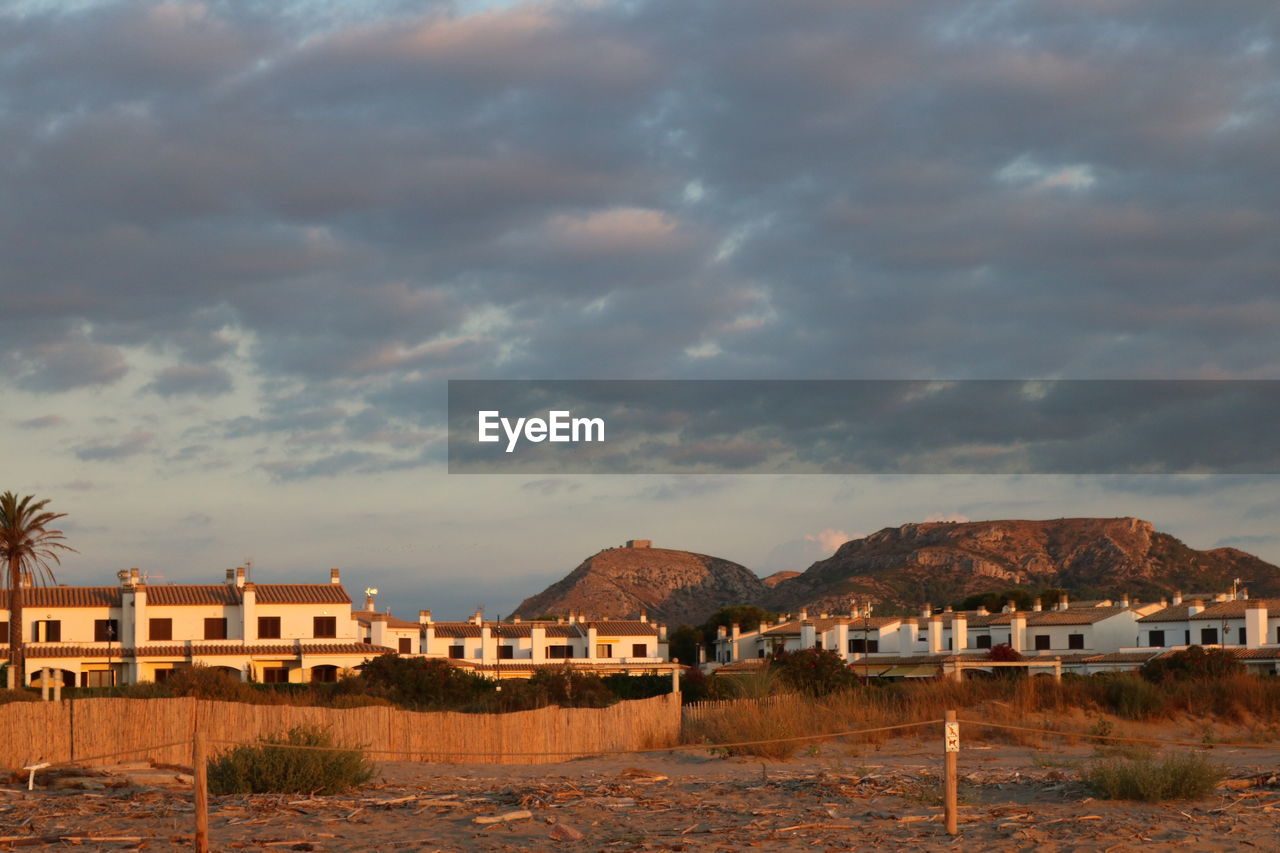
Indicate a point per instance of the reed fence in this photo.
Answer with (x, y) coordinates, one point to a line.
(86, 730)
(700, 712)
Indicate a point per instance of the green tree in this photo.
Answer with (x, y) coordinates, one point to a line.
(814, 671)
(746, 616)
(28, 546)
(684, 642)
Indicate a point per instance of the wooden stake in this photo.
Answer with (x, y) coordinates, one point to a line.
(951, 750)
(200, 765)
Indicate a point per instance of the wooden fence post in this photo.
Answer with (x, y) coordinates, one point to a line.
(44, 684)
(199, 762)
(675, 681)
(951, 748)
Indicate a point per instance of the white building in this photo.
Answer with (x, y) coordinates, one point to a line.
(895, 646)
(518, 648)
(135, 632)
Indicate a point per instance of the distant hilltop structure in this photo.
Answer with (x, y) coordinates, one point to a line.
(639, 543)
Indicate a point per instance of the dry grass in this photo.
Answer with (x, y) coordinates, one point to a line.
(1078, 705)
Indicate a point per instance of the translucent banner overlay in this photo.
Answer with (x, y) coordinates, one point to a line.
(864, 427)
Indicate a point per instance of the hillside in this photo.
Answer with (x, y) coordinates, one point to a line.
(675, 587)
(905, 566)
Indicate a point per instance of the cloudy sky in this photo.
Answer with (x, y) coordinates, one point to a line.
(244, 245)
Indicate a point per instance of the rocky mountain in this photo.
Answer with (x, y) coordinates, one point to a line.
(902, 567)
(778, 577)
(675, 587)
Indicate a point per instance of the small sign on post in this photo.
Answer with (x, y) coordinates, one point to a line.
(950, 749)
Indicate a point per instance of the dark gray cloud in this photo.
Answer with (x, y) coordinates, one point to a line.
(913, 427)
(361, 203)
(110, 449)
(202, 380)
(43, 422)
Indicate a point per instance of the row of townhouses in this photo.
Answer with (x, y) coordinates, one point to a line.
(297, 633)
(291, 633)
(1084, 637)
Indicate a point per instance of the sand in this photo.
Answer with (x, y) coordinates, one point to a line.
(838, 798)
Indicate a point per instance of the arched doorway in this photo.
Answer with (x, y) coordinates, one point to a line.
(325, 673)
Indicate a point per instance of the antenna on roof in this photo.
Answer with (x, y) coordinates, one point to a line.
(248, 569)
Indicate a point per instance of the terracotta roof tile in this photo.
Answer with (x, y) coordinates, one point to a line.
(302, 593)
(625, 628)
(179, 595)
(65, 596)
(456, 629)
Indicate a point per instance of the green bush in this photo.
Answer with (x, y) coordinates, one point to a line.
(1132, 697)
(1179, 777)
(813, 671)
(418, 683)
(271, 768)
(1193, 663)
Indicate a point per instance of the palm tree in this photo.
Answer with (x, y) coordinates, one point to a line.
(27, 546)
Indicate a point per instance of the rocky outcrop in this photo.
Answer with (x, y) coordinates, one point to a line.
(675, 587)
(902, 567)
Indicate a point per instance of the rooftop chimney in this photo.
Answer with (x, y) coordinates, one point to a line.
(333, 576)
(240, 576)
(1124, 600)
(644, 616)
(478, 617)
(926, 610)
(804, 614)
(368, 602)
(1065, 602)
(1036, 605)
(231, 576)
(424, 617)
(1177, 597)
(1195, 607)
(982, 610)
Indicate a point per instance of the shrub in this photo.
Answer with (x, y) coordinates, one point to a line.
(421, 683)
(1132, 697)
(271, 768)
(7, 696)
(814, 671)
(1179, 777)
(1193, 663)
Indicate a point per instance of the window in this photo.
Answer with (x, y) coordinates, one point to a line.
(99, 678)
(873, 646)
(268, 627)
(982, 641)
(162, 675)
(105, 631)
(1042, 642)
(325, 674)
(215, 629)
(1188, 640)
(506, 652)
(1155, 639)
(160, 629)
(605, 650)
(559, 652)
(949, 642)
(1075, 641)
(455, 652)
(324, 626)
(1209, 636)
(4, 632)
(639, 650)
(48, 631)
(406, 645)
(275, 675)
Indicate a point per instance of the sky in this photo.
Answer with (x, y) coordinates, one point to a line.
(245, 245)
